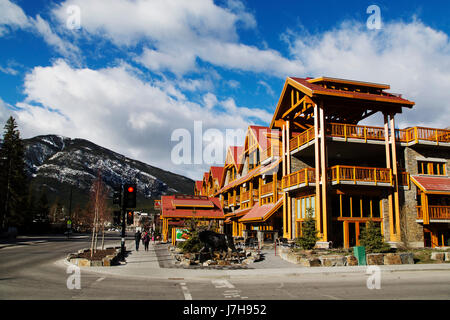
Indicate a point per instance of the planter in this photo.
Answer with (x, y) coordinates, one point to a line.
(82, 258)
(333, 261)
(375, 259)
(351, 261)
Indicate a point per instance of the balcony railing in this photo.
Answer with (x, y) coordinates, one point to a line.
(303, 176)
(245, 196)
(267, 188)
(403, 179)
(356, 175)
(356, 132)
(272, 151)
(435, 212)
(350, 131)
(301, 139)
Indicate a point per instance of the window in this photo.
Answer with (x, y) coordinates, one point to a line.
(432, 168)
(301, 204)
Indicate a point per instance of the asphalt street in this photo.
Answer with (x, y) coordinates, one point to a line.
(33, 269)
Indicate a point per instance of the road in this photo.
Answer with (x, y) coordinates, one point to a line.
(31, 271)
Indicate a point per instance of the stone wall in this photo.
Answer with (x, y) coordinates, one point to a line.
(412, 232)
(297, 164)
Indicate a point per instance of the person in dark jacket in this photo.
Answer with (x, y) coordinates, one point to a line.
(137, 239)
(146, 240)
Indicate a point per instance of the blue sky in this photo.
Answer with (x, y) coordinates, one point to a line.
(137, 70)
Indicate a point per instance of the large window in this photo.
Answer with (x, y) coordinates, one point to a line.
(358, 206)
(434, 168)
(301, 204)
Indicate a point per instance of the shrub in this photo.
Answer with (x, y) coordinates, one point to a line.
(193, 244)
(309, 233)
(372, 239)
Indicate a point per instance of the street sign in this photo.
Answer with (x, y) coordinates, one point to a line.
(157, 204)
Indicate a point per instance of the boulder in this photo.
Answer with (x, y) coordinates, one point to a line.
(96, 263)
(248, 261)
(447, 256)
(84, 263)
(407, 257)
(310, 262)
(223, 263)
(185, 263)
(439, 256)
(375, 259)
(333, 261)
(392, 258)
(351, 261)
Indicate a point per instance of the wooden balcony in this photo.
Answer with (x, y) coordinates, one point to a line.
(435, 212)
(421, 134)
(403, 179)
(245, 196)
(273, 151)
(360, 175)
(301, 139)
(350, 132)
(299, 179)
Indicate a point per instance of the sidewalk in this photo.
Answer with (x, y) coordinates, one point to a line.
(144, 264)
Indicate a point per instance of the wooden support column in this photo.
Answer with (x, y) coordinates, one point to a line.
(251, 192)
(283, 166)
(317, 170)
(323, 169)
(395, 173)
(392, 236)
(288, 171)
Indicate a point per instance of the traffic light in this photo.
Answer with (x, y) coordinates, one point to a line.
(130, 217)
(117, 196)
(116, 217)
(129, 195)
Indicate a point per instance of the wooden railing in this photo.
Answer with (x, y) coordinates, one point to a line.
(267, 188)
(303, 176)
(360, 174)
(435, 212)
(301, 139)
(421, 133)
(365, 133)
(272, 151)
(245, 196)
(355, 131)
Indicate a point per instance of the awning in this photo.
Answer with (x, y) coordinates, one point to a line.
(432, 184)
(261, 213)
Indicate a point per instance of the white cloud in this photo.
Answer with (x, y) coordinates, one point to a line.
(412, 57)
(11, 17)
(175, 33)
(114, 108)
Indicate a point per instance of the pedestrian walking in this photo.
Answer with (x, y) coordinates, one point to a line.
(137, 239)
(146, 240)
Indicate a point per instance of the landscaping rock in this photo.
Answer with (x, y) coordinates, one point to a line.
(248, 260)
(333, 261)
(96, 263)
(351, 261)
(375, 259)
(310, 262)
(447, 256)
(84, 263)
(392, 258)
(178, 250)
(407, 257)
(439, 256)
(185, 263)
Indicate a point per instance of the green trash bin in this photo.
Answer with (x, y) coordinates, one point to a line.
(360, 253)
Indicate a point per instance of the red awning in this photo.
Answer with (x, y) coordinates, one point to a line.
(432, 184)
(261, 213)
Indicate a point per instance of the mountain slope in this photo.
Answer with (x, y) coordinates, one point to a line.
(59, 164)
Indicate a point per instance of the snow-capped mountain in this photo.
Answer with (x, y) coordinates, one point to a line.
(58, 164)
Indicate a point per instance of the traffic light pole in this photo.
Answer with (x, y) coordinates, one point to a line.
(122, 245)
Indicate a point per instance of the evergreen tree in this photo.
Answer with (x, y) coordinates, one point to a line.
(309, 233)
(13, 179)
(372, 239)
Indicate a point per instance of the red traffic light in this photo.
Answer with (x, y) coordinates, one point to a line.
(130, 189)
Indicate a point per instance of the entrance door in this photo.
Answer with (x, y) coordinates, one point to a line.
(351, 233)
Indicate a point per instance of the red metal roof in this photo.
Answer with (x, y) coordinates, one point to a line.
(192, 203)
(169, 210)
(198, 184)
(317, 89)
(261, 213)
(217, 173)
(432, 183)
(236, 152)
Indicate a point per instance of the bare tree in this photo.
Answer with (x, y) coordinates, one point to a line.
(98, 211)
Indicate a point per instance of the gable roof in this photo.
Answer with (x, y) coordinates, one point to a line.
(432, 184)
